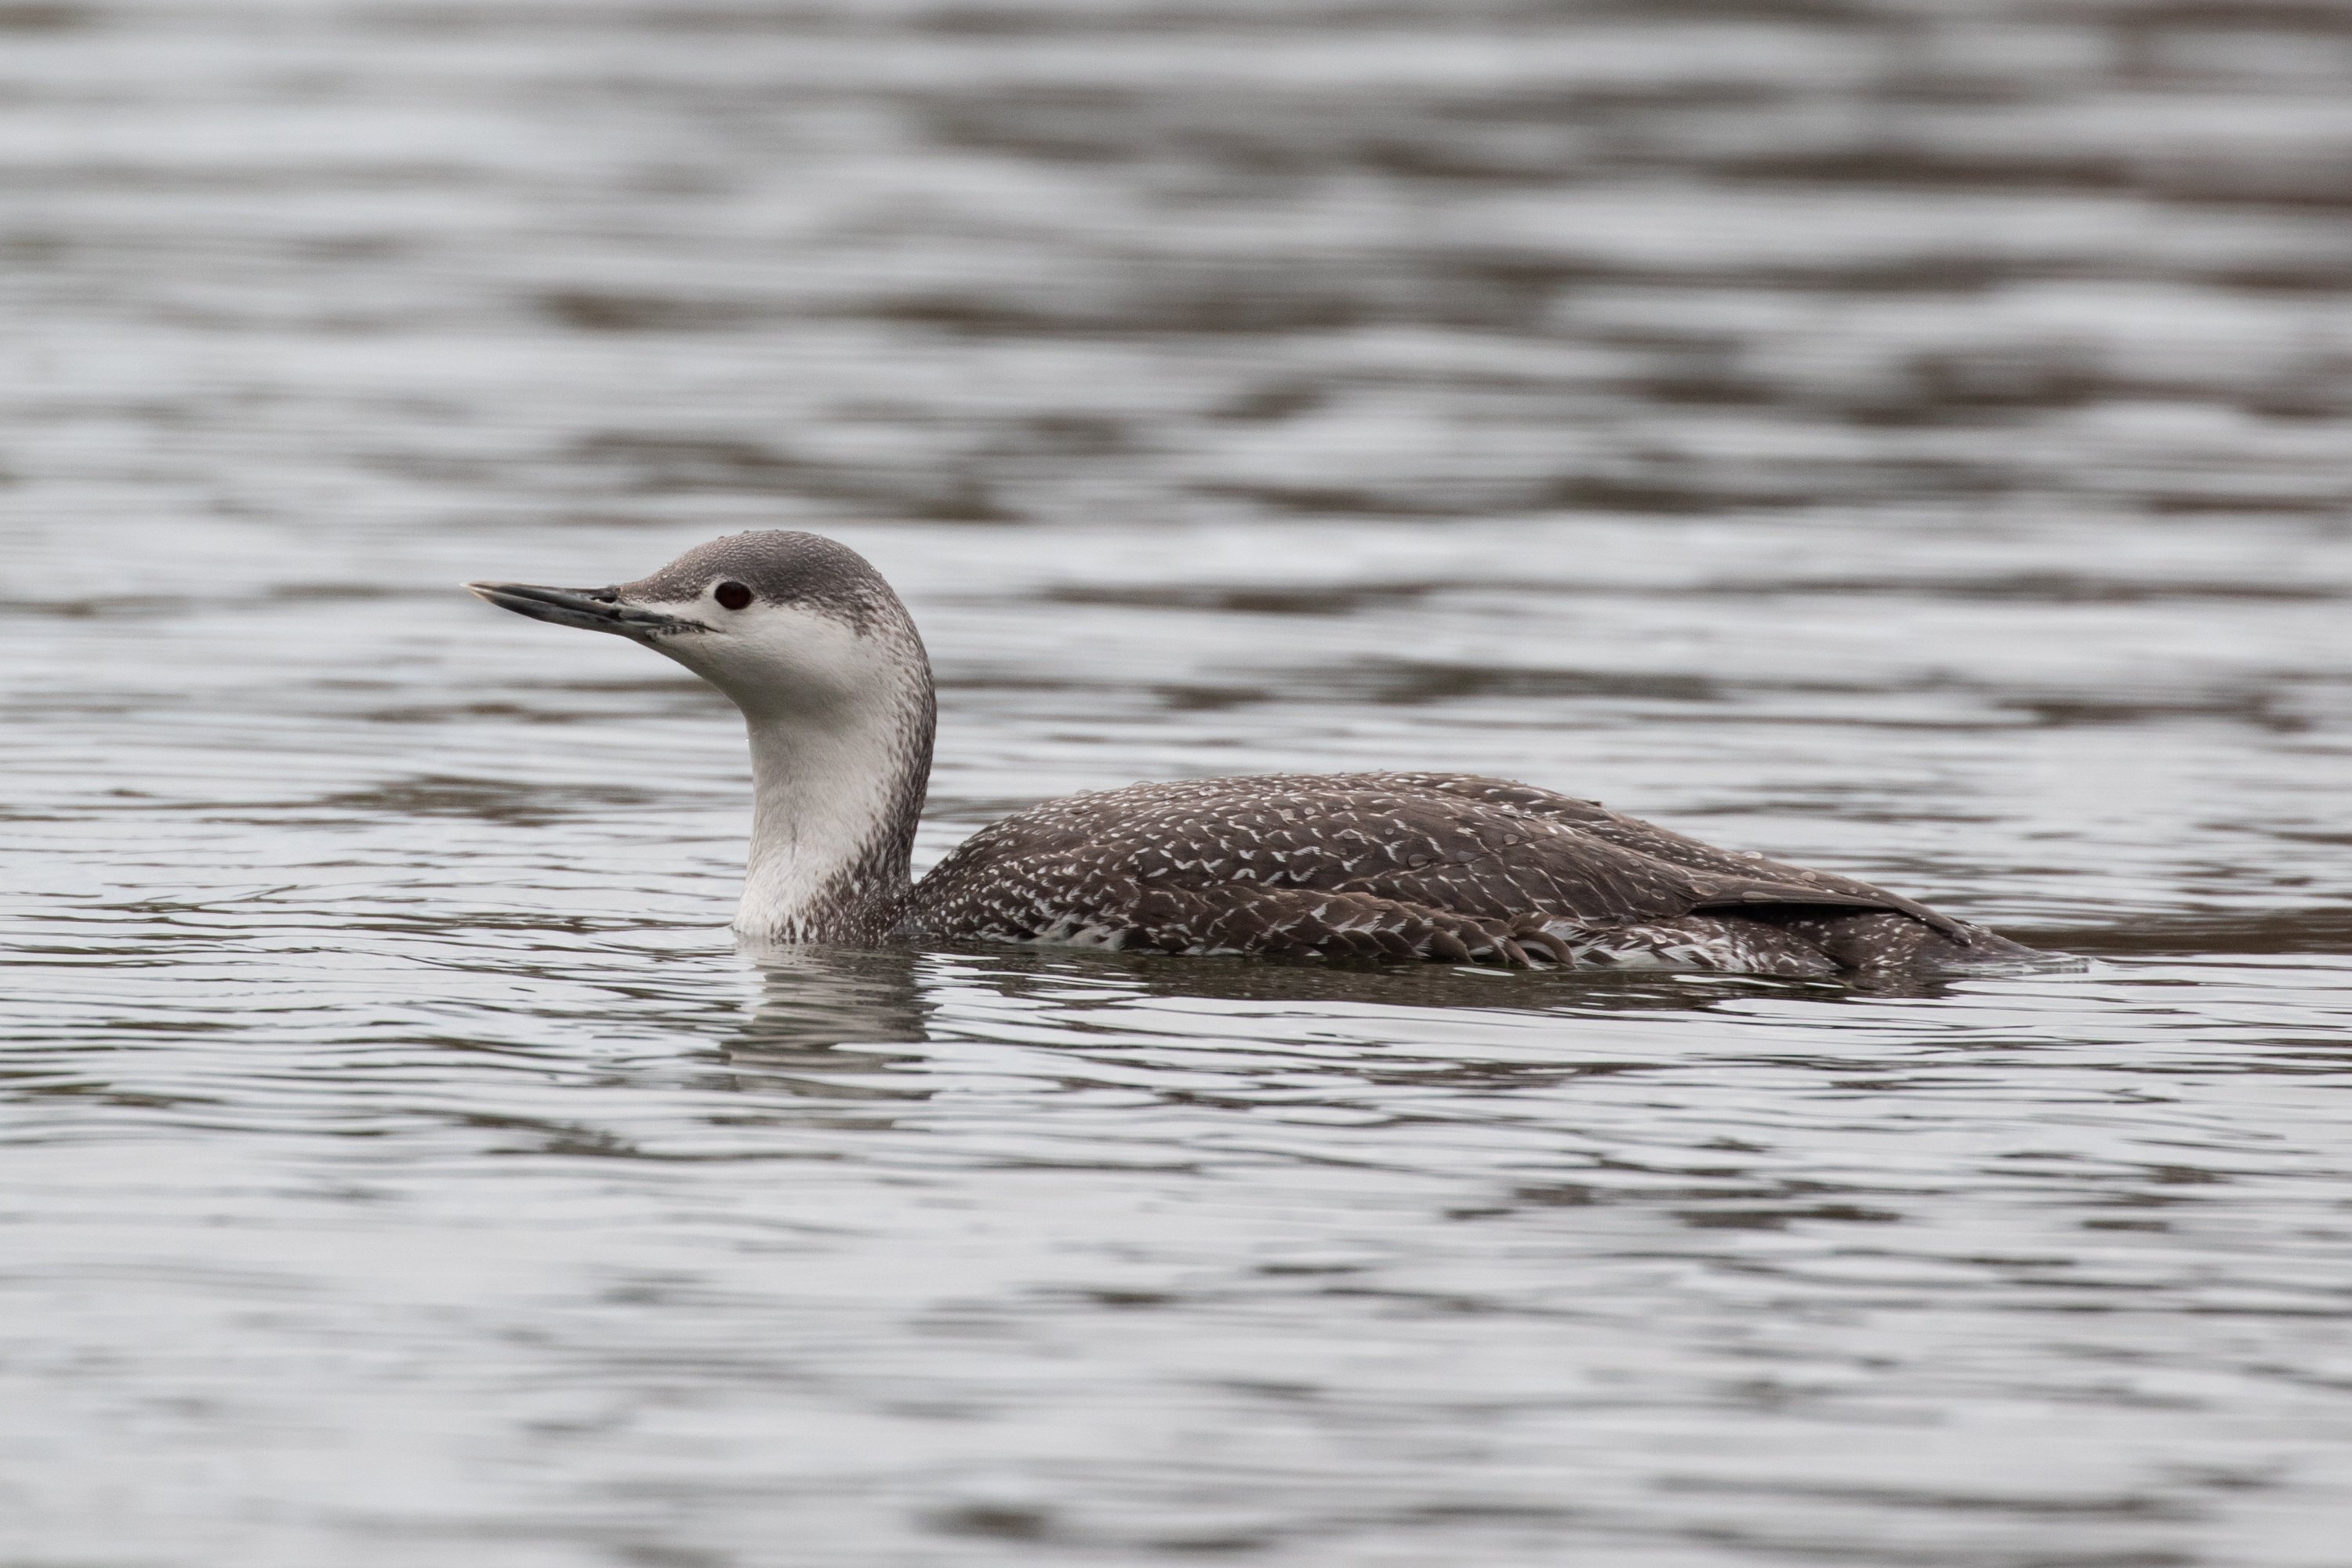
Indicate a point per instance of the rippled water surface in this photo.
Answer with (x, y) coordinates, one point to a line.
(1906, 438)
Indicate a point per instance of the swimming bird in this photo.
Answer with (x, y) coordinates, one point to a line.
(835, 689)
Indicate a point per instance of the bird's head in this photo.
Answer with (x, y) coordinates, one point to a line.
(791, 627)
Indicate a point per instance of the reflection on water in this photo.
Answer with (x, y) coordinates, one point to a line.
(823, 1017)
(815, 998)
(1907, 438)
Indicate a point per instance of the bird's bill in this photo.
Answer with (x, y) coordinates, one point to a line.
(590, 609)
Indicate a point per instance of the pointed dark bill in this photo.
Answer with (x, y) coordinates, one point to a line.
(590, 609)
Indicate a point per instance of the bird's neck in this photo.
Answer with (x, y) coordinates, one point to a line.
(836, 800)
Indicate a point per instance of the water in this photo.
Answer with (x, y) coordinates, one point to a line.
(1907, 438)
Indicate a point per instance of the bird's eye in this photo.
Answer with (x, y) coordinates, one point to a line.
(734, 595)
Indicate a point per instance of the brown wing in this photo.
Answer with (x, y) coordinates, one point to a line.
(1436, 843)
(1738, 876)
(1043, 899)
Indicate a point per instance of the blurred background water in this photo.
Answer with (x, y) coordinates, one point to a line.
(1909, 437)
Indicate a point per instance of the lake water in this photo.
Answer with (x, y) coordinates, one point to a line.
(1909, 439)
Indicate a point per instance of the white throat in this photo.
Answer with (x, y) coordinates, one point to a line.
(841, 719)
(823, 825)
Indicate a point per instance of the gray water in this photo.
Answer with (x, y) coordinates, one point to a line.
(1906, 438)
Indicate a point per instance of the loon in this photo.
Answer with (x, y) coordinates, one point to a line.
(835, 689)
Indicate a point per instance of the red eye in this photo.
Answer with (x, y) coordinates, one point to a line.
(734, 595)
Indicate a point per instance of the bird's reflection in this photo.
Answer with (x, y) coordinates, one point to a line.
(828, 1016)
(825, 1017)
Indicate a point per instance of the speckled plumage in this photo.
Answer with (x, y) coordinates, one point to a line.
(1445, 866)
(832, 680)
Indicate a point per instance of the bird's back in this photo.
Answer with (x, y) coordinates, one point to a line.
(1402, 865)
